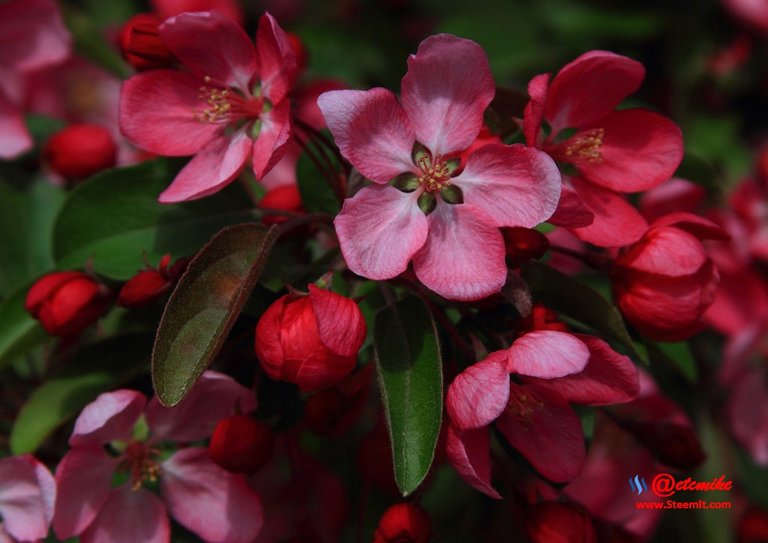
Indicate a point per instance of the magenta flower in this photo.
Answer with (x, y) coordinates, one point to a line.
(444, 218)
(230, 107)
(217, 505)
(27, 495)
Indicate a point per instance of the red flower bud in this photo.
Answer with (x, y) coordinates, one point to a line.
(141, 45)
(282, 198)
(79, 151)
(241, 444)
(524, 244)
(753, 525)
(311, 340)
(150, 284)
(66, 303)
(332, 411)
(403, 523)
(559, 523)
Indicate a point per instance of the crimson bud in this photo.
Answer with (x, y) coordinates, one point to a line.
(241, 444)
(311, 340)
(522, 244)
(141, 45)
(150, 284)
(553, 522)
(66, 303)
(80, 150)
(403, 523)
(282, 198)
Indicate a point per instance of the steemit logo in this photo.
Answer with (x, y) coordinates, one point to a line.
(637, 484)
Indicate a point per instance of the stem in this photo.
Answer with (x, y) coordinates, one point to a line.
(320, 137)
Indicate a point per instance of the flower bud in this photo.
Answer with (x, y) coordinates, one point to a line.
(281, 198)
(332, 411)
(66, 303)
(522, 244)
(403, 523)
(311, 340)
(241, 444)
(150, 284)
(553, 522)
(141, 45)
(79, 151)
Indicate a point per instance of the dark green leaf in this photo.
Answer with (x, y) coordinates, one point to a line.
(98, 368)
(316, 193)
(18, 331)
(114, 218)
(676, 356)
(411, 382)
(578, 301)
(204, 306)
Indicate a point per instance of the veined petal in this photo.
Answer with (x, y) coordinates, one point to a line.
(371, 130)
(157, 113)
(469, 452)
(272, 142)
(380, 229)
(547, 354)
(109, 417)
(479, 394)
(514, 185)
(534, 109)
(589, 88)
(130, 516)
(277, 60)
(212, 45)
(463, 258)
(666, 251)
(26, 495)
(445, 92)
(640, 149)
(215, 166)
(213, 503)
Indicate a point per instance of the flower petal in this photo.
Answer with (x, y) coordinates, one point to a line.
(640, 150)
(26, 497)
(14, 136)
(213, 503)
(129, 516)
(469, 452)
(463, 258)
(615, 222)
(277, 60)
(32, 35)
(445, 92)
(83, 480)
(212, 45)
(514, 185)
(589, 88)
(697, 226)
(571, 211)
(215, 166)
(213, 397)
(109, 417)
(371, 130)
(340, 322)
(666, 251)
(547, 354)
(534, 109)
(380, 229)
(272, 142)
(545, 430)
(479, 394)
(157, 113)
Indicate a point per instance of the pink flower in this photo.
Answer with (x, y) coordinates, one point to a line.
(229, 108)
(445, 219)
(27, 495)
(216, 505)
(614, 151)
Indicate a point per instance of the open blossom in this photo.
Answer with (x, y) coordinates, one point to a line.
(228, 109)
(216, 505)
(424, 207)
(27, 495)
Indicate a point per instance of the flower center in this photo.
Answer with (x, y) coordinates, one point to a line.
(522, 404)
(227, 105)
(586, 146)
(435, 172)
(139, 461)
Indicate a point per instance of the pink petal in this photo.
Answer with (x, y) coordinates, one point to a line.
(547, 354)
(479, 394)
(609, 377)
(469, 452)
(545, 430)
(27, 492)
(213, 46)
(157, 113)
(677, 194)
(83, 480)
(215, 166)
(463, 258)
(693, 224)
(169, 8)
(109, 417)
(32, 35)
(371, 130)
(272, 143)
(571, 211)
(213, 503)
(513, 184)
(640, 150)
(130, 516)
(534, 109)
(616, 222)
(340, 322)
(666, 251)
(213, 397)
(14, 136)
(380, 229)
(277, 60)
(445, 92)
(589, 88)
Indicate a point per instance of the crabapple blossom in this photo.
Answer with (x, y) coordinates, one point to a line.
(27, 497)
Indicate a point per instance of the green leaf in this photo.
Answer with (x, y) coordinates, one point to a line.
(411, 381)
(578, 301)
(204, 306)
(316, 194)
(677, 356)
(114, 218)
(18, 330)
(97, 368)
